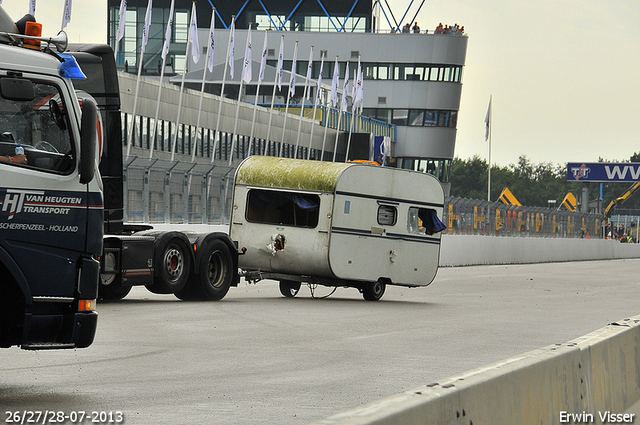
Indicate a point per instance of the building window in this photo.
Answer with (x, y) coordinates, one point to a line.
(440, 168)
(400, 116)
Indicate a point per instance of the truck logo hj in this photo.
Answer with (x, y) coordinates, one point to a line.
(34, 201)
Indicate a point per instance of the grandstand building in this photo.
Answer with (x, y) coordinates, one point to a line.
(412, 81)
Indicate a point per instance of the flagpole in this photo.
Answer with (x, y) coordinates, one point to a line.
(174, 145)
(204, 75)
(247, 57)
(326, 127)
(224, 78)
(342, 108)
(145, 36)
(315, 105)
(165, 50)
(488, 129)
(135, 105)
(122, 18)
(276, 83)
(263, 62)
(353, 115)
(292, 87)
(304, 96)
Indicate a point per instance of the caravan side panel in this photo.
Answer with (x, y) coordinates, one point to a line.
(375, 230)
(275, 240)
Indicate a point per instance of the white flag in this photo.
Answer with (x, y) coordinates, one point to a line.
(345, 88)
(334, 84)
(359, 94)
(307, 84)
(122, 15)
(320, 79)
(280, 70)
(32, 7)
(167, 34)
(292, 81)
(147, 24)
(232, 46)
(246, 65)
(211, 41)
(195, 46)
(263, 61)
(66, 17)
(487, 124)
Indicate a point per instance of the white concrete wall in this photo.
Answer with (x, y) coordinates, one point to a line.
(468, 250)
(591, 375)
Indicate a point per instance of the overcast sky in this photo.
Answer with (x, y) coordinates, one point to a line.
(563, 73)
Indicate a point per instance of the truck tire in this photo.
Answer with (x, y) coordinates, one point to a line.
(215, 273)
(373, 291)
(115, 290)
(289, 288)
(172, 265)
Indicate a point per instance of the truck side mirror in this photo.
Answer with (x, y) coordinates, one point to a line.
(88, 140)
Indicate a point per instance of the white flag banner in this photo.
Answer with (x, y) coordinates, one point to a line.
(167, 34)
(247, 73)
(487, 122)
(307, 84)
(232, 47)
(345, 88)
(292, 81)
(263, 60)
(66, 16)
(320, 79)
(334, 84)
(32, 7)
(195, 46)
(211, 41)
(122, 16)
(147, 24)
(280, 70)
(359, 94)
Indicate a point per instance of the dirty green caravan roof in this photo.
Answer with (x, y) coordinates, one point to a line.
(299, 174)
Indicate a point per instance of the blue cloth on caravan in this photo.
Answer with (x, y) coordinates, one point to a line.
(430, 221)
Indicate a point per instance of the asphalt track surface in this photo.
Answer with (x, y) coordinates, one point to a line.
(258, 358)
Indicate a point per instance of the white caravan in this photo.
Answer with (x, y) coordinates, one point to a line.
(336, 224)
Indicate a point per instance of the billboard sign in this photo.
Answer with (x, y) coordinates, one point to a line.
(603, 171)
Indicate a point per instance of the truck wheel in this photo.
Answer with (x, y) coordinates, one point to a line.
(289, 288)
(215, 272)
(172, 265)
(373, 291)
(115, 290)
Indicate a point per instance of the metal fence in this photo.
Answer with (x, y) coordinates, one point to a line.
(475, 217)
(162, 191)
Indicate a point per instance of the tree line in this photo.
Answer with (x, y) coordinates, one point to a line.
(532, 184)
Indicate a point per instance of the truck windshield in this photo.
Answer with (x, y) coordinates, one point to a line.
(40, 124)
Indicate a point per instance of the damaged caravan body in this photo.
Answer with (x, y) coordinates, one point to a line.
(336, 224)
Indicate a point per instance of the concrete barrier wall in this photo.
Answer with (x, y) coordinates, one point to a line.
(589, 377)
(468, 250)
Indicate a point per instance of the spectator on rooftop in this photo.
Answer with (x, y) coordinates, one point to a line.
(416, 28)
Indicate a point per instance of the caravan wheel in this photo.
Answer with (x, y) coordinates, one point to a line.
(289, 288)
(373, 291)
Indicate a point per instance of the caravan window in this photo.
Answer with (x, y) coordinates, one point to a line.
(424, 221)
(387, 215)
(286, 208)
